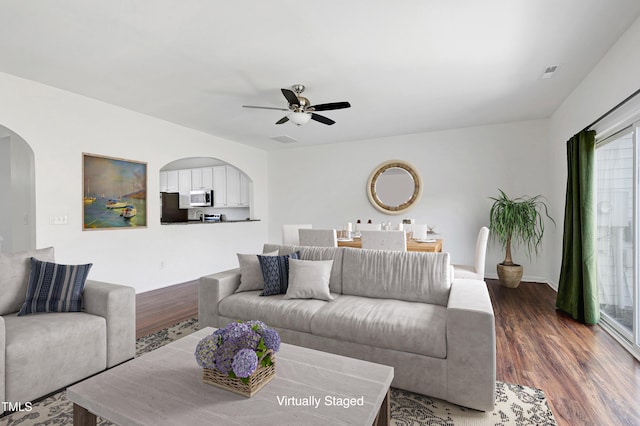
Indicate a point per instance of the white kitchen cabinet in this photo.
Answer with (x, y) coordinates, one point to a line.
(245, 195)
(164, 180)
(233, 187)
(220, 186)
(230, 187)
(171, 181)
(184, 188)
(202, 178)
(207, 178)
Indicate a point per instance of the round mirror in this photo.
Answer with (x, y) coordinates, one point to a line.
(394, 186)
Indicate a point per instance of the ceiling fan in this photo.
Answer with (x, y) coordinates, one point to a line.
(301, 110)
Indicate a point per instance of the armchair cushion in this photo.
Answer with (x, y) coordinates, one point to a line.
(54, 287)
(14, 278)
(45, 352)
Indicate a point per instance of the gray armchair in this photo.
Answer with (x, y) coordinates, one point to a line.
(41, 353)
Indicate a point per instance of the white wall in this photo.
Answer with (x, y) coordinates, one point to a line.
(59, 126)
(614, 78)
(325, 185)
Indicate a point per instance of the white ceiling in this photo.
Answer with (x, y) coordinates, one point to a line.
(405, 66)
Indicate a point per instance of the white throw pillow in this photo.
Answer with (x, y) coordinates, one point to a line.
(251, 272)
(309, 279)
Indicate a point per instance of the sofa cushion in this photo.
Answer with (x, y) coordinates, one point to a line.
(317, 253)
(14, 277)
(418, 328)
(384, 274)
(275, 271)
(309, 279)
(54, 287)
(250, 271)
(45, 352)
(275, 311)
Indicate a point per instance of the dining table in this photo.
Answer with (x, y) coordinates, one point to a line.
(432, 245)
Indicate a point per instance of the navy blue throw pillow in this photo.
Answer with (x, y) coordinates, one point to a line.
(275, 271)
(54, 288)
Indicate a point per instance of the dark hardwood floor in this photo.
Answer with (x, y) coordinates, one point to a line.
(589, 379)
(165, 307)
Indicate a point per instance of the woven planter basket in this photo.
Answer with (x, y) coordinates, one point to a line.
(257, 380)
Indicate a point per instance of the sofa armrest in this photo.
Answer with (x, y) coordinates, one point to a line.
(117, 304)
(211, 290)
(471, 345)
(3, 342)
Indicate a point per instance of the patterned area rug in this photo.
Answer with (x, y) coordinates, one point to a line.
(515, 404)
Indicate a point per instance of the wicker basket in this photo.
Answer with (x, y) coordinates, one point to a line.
(257, 380)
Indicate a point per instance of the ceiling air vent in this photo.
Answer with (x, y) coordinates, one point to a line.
(549, 71)
(284, 139)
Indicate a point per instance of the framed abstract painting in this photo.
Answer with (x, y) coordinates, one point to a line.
(114, 193)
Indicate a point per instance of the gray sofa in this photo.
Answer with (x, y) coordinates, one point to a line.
(41, 353)
(402, 309)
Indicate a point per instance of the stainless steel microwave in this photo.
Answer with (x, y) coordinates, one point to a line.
(201, 198)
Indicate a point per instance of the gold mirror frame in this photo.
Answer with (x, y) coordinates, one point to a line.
(373, 179)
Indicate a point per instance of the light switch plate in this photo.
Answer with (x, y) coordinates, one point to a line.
(58, 220)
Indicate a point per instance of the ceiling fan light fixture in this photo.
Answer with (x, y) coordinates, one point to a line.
(300, 110)
(299, 118)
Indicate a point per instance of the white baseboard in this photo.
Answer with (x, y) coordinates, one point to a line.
(527, 278)
(532, 279)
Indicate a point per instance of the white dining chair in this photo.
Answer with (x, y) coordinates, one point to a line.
(384, 240)
(476, 270)
(419, 232)
(318, 237)
(290, 235)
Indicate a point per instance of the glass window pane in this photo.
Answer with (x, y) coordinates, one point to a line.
(615, 201)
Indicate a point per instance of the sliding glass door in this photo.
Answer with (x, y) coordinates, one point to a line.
(617, 238)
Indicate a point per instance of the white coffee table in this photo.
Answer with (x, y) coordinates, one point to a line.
(164, 387)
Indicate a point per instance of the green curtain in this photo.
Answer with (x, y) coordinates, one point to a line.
(578, 285)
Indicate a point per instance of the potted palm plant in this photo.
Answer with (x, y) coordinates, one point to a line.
(516, 221)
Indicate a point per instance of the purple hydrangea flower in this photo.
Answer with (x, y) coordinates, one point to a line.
(271, 339)
(206, 350)
(221, 349)
(256, 325)
(224, 357)
(245, 363)
(240, 336)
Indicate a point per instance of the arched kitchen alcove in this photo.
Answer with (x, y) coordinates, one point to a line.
(204, 189)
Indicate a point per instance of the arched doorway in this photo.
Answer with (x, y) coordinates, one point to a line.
(17, 193)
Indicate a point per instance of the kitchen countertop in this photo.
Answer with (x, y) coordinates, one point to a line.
(195, 222)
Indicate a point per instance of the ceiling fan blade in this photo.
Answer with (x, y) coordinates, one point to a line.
(322, 119)
(282, 120)
(291, 97)
(332, 105)
(261, 107)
